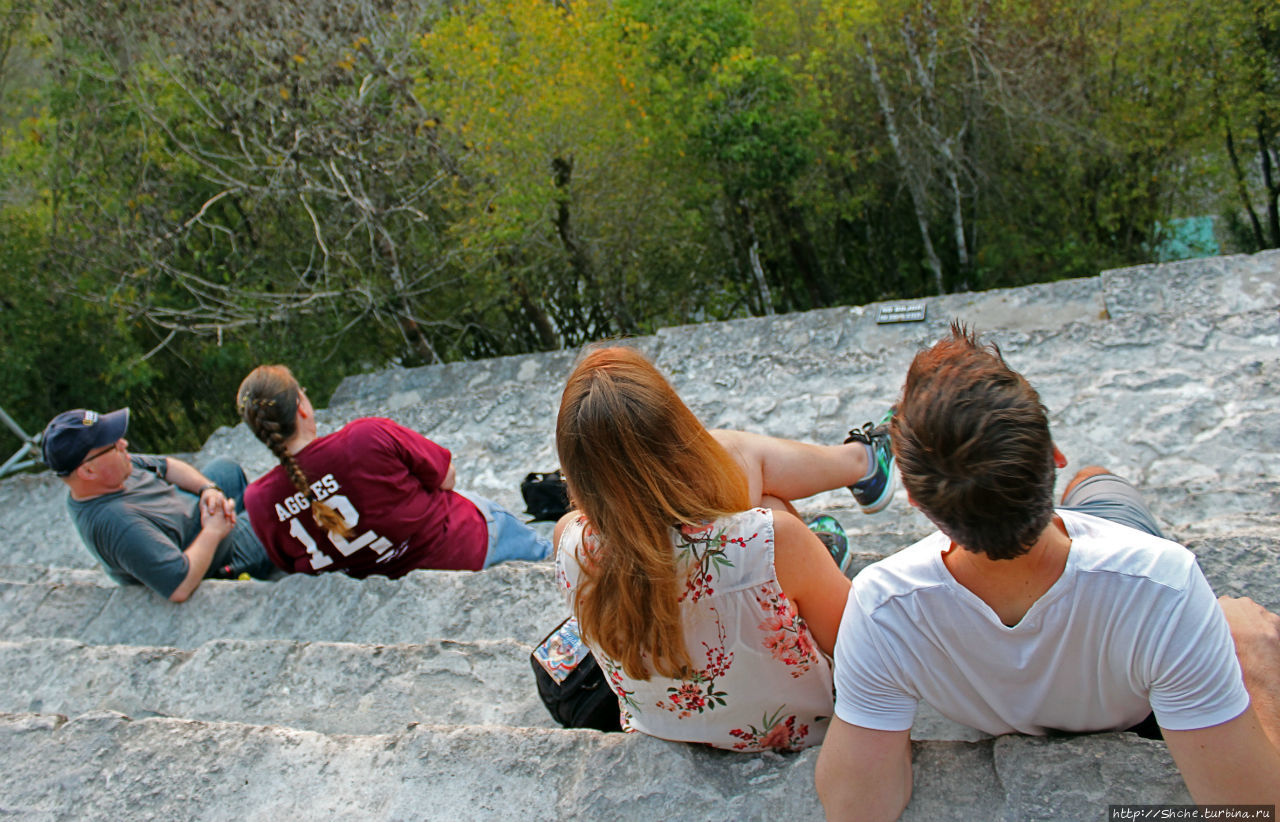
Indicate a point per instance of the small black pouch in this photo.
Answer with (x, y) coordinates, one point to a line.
(571, 682)
(546, 496)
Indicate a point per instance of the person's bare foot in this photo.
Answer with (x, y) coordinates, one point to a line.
(1082, 475)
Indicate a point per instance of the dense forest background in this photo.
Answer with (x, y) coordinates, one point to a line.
(192, 188)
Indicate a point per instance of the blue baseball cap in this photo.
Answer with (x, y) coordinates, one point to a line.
(70, 436)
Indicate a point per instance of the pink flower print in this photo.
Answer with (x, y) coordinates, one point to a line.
(702, 549)
(804, 644)
(777, 738)
(590, 540)
(784, 621)
(614, 675)
(785, 635)
(779, 735)
(691, 696)
(718, 662)
(698, 692)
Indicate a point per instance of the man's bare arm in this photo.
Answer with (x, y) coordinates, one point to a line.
(1239, 761)
(189, 479)
(215, 526)
(1256, 634)
(1231, 763)
(864, 774)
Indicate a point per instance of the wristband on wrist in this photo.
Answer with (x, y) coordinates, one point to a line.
(211, 486)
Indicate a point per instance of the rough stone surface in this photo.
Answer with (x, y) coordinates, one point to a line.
(515, 600)
(161, 768)
(332, 697)
(332, 687)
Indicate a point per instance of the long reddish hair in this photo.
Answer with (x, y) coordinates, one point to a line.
(638, 463)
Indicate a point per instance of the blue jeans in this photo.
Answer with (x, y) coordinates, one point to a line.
(229, 476)
(247, 554)
(509, 538)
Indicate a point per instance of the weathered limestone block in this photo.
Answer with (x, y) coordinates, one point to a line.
(1217, 285)
(106, 766)
(1077, 777)
(321, 686)
(515, 600)
(103, 765)
(1242, 565)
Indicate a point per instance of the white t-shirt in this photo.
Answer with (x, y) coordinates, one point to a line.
(1130, 627)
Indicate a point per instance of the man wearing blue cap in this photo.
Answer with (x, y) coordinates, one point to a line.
(152, 520)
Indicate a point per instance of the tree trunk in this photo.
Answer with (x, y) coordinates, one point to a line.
(579, 258)
(1270, 183)
(914, 186)
(942, 145)
(547, 336)
(1242, 188)
(410, 330)
(753, 254)
(800, 244)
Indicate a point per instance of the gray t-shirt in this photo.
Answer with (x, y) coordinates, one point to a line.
(139, 532)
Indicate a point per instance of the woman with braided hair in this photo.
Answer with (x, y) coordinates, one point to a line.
(371, 498)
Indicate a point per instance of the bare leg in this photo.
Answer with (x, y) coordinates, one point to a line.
(790, 470)
(1256, 632)
(1082, 475)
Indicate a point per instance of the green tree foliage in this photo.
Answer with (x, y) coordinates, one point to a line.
(193, 188)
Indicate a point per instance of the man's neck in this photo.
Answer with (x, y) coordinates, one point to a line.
(85, 491)
(1011, 586)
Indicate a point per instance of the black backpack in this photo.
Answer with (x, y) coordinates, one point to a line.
(546, 496)
(582, 699)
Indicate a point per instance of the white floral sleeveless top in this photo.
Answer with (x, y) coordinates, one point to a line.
(760, 681)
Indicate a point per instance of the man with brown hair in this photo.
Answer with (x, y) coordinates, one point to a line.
(1017, 617)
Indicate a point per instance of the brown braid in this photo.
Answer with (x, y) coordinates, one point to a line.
(268, 403)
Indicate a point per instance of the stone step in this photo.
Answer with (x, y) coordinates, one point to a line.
(1242, 565)
(1075, 300)
(293, 698)
(516, 601)
(1213, 286)
(53, 574)
(1201, 506)
(1206, 506)
(1216, 288)
(102, 765)
(330, 687)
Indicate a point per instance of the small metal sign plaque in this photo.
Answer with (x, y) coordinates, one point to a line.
(901, 313)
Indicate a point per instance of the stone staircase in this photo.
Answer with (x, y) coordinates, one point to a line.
(331, 697)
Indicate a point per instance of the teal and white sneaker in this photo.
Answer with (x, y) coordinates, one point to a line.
(831, 532)
(874, 493)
